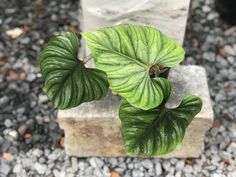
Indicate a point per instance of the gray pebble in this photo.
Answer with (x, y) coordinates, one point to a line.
(40, 168)
(229, 50)
(22, 129)
(4, 99)
(96, 162)
(13, 134)
(212, 16)
(5, 146)
(37, 152)
(31, 77)
(206, 8)
(137, 173)
(158, 168)
(17, 168)
(180, 165)
(74, 163)
(147, 164)
(188, 169)
(5, 168)
(8, 123)
(25, 40)
(225, 155)
(166, 165)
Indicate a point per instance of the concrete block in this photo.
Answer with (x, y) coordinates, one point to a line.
(93, 129)
(169, 16)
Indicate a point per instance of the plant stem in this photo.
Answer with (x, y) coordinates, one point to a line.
(87, 58)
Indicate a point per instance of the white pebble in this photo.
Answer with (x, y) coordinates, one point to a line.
(40, 168)
(180, 165)
(17, 168)
(147, 163)
(13, 133)
(229, 50)
(158, 168)
(166, 165)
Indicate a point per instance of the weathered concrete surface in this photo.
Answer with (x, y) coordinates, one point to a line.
(169, 16)
(93, 129)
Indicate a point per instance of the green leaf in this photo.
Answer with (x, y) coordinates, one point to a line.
(126, 53)
(156, 131)
(67, 82)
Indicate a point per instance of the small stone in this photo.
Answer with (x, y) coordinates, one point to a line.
(130, 166)
(137, 173)
(119, 170)
(4, 100)
(147, 164)
(37, 152)
(31, 77)
(39, 119)
(10, 10)
(40, 168)
(188, 169)
(222, 52)
(5, 168)
(158, 168)
(180, 165)
(210, 56)
(210, 167)
(52, 125)
(43, 99)
(22, 129)
(25, 40)
(5, 146)
(115, 174)
(82, 165)
(206, 8)
(225, 155)
(212, 16)
(74, 163)
(7, 156)
(54, 17)
(17, 168)
(13, 133)
(96, 162)
(166, 165)
(232, 147)
(178, 174)
(229, 50)
(21, 110)
(14, 33)
(114, 161)
(8, 123)
(223, 145)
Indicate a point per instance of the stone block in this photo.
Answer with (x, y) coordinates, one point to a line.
(93, 129)
(169, 16)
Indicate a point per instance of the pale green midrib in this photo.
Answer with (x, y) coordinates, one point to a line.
(128, 57)
(77, 64)
(150, 127)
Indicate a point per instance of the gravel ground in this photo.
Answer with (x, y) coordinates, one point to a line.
(31, 143)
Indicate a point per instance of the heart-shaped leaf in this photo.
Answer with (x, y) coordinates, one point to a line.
(156, 131)
(127, 53)
(67, 82)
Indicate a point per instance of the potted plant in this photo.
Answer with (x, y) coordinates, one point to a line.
(129, 60)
